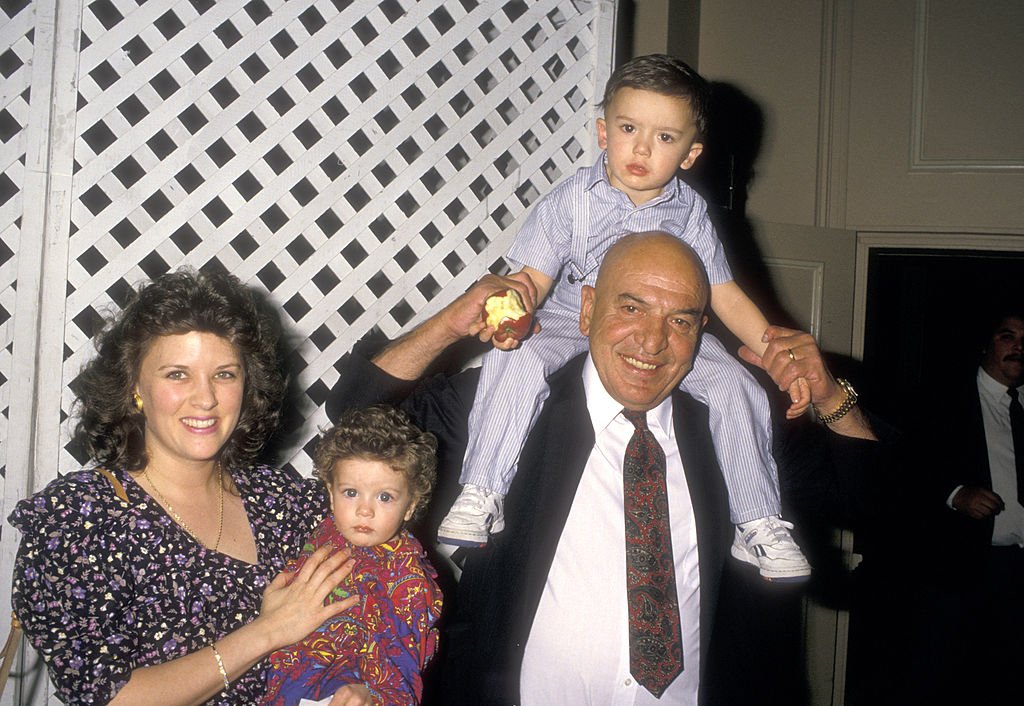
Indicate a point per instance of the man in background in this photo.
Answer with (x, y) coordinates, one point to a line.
(978, 467)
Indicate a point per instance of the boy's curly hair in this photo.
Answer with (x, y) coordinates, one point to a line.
(667, 75)
(381, 433)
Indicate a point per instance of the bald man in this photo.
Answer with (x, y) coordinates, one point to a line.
(542, 611)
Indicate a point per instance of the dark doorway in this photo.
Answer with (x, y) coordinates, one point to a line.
(923, 311)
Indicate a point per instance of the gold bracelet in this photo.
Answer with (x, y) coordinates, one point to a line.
(220, 666)
(848, 403)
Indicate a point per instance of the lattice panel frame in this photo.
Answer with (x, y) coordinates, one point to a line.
(16, 48)
(360, 162)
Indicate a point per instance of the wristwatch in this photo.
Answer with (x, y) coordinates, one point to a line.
(846, 405)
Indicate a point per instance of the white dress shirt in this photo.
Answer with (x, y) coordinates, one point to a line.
(578, 648)
(995, 411)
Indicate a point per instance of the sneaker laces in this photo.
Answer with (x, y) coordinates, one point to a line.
(772, 527)
(478, 501)
(474, 497)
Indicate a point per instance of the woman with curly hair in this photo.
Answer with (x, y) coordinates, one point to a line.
(156, 575)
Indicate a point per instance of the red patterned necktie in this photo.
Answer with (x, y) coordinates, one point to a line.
(655, 636)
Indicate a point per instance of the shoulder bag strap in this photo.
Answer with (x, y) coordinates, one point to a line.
(118, 488)
(10, 650)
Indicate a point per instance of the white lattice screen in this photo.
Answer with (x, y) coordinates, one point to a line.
(363, 162)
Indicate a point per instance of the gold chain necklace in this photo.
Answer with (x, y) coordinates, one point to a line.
(177, 517)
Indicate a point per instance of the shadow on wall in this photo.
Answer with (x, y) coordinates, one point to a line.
(766, 614)
(724, 174)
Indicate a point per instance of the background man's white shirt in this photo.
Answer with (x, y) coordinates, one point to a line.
(995, 411)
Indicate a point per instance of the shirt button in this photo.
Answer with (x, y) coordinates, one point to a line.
(629, 682)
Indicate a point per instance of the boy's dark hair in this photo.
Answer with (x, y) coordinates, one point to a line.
(668, 76)
(381, 433)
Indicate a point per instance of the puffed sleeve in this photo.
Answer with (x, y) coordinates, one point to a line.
(545, 238)
(285, 508)
(72, 589)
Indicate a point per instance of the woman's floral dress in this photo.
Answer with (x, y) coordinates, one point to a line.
(104, 586)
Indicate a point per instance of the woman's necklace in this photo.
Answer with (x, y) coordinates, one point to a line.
(177, 517)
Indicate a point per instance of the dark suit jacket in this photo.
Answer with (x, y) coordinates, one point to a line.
(957, 454)
(502, 584)
(979, 587)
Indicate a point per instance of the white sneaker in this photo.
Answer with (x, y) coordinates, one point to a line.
(767, 544)
(475, 514)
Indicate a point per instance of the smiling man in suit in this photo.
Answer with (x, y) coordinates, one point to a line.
(603, 586)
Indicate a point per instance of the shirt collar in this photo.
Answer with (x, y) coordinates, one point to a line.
(597, 173)
(992, 388)
(603, 409)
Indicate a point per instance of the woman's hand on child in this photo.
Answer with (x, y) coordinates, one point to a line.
(293, 603)
(352, 695)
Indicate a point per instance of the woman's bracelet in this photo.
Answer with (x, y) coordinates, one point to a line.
(220, 666)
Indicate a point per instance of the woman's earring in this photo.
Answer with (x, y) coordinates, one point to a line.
(137, 400)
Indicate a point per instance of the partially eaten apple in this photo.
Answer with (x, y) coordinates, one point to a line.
(507, 316)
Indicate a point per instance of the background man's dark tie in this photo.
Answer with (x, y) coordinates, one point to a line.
(1017, 429)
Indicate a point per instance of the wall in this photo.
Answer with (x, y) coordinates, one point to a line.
(771, 52)
(877, 124)
(878, 116)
